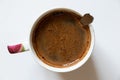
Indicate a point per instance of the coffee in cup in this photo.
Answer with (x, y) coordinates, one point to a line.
(60, 39)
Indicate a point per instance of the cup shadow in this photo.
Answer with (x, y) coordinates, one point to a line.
(86, 72)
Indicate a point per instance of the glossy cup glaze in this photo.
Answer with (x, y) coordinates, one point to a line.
(65, 69)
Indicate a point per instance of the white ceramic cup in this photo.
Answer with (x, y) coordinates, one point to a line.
(56, 69)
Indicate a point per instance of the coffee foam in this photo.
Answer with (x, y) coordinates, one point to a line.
(60, 40)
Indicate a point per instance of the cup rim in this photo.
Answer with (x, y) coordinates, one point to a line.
(64, 69)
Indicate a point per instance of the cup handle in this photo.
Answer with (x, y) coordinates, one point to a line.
(18, 48)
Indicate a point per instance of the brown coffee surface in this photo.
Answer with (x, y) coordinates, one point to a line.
(60, 40)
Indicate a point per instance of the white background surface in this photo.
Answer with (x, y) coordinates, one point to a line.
(17, 17)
